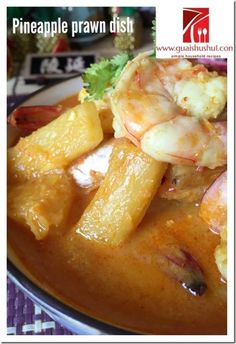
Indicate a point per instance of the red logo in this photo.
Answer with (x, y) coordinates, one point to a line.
(196, 25)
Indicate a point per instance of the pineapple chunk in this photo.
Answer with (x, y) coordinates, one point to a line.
(124, 196)
(106, 116)
(104, 110)
(57, 144)
(41, 203)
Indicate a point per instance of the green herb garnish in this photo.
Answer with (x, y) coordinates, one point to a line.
(102, 76)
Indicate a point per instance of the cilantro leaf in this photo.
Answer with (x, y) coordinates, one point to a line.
(98, 77)
(104, 75)
(119, 61)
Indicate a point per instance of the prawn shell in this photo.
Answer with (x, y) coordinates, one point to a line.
(213, 209)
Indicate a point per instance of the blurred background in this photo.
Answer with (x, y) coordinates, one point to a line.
(20, 47)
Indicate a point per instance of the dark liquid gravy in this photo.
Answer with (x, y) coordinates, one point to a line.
(124, 286)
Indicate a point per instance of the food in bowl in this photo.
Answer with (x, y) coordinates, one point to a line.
(116, 204)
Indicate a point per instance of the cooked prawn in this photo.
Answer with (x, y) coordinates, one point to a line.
(30, 118)
(187, 183)
(213, 210)
(200, 93)
(164, 107)
(188, 141)
(139, 100)
(221, 253)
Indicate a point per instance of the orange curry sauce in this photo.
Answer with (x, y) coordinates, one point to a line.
(124, 286)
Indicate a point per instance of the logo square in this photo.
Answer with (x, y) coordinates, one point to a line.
(196, 25)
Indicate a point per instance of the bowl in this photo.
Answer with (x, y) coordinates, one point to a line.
(72, 319)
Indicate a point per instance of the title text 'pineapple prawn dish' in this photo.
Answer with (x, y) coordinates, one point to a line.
(117, 196)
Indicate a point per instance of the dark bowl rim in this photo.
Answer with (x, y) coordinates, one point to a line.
(42, 89)
(26, 284)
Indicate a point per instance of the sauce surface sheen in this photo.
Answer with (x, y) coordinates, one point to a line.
(124, 286)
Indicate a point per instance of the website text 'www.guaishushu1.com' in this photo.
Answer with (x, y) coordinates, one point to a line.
(204, 51)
